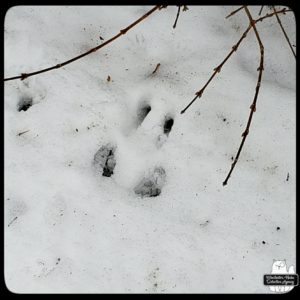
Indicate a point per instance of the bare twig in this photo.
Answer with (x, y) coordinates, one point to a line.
(283, 30)
(14, 219)
(234, 48)
(217, 69)
(269, 15)
(122, 32)
(253, 105)
(178, 12)
(20, 133)
(252, 24)
(234, 12)
(261, 10)
(156, 68)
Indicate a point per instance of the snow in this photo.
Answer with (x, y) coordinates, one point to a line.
(70, 230)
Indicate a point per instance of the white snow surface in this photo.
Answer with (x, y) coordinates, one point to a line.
(70, 230)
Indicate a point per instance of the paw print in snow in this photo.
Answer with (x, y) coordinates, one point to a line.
(154, 179)
(104, 160)
(151, 185)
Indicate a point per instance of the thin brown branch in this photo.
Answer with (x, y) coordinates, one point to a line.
(261, 10)
(23, 132)
(234, 48)
(269, 15)
(253, 105)
(177, 16)
(283, 30)
(156, 68)
(122, 32)
(218, 69)
(13, 220)
(234, 12)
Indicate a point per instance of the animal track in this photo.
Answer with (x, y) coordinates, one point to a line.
(168, 125)
(105, 161)
(24, 103)
(154, 179)
(152, 184)
(142, 113)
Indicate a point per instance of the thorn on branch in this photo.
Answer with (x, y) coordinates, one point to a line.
(24, 76)
(244, 34)
(217, 69)
(245, 133)
(253, 107)
(199, 93)
(123, 31)
(234, 48)
(260, 68)
(185, 8)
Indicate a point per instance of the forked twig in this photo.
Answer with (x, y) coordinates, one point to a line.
(234, 48)
(253, 105)
(217, 69)
(283, 30)
(122, 31)
(269, 15)
(252, 24)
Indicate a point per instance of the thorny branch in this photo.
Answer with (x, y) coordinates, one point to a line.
(269, 15)
(252, 24)
(218, 69)
(234, 48)
(284, 32)
(122, 31)
(253, 105)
